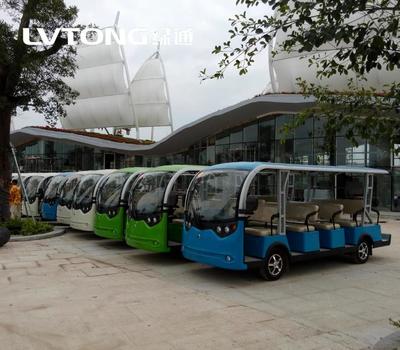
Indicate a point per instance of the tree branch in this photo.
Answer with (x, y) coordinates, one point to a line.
(42, 55)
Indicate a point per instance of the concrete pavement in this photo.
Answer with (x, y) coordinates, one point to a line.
(78, 291)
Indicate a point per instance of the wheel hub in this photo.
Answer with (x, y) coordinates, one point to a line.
(275, 264)
(363, 251)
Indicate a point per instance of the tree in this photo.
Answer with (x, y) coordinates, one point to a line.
(365, 33)
(31, 76)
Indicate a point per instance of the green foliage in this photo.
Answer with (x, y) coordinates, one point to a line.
(26, 227)
(395, 323)
(357, 113)
(14, 226)
(365, 35)
(31, 76)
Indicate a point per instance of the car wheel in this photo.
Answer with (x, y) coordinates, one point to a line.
(362, 252)
(274, 265)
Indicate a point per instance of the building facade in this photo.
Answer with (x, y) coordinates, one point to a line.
(249, 131)
(56, 156)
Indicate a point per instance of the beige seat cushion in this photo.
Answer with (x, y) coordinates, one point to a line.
(265, 210)
(255, 223)
(350, 206)
(328, 209)
(298, 211)
(324, 226)
(262, 215)
(259, 231)
(346, 222)
(299, 227)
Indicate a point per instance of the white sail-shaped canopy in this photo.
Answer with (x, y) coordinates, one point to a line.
(286, 67)
(106, 96)
(101, 81)
(150, 94)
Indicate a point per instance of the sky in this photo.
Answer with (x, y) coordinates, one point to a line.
(208, 21)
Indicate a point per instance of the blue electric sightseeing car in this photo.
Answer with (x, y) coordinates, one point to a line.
(271, 214)
(51, 197)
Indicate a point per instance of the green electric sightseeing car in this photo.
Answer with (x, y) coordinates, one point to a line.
(111, 203)
(156, 207)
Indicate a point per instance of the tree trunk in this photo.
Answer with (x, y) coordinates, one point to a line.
(5, 164)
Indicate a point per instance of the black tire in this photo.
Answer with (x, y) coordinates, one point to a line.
(362, 252)
(274, 265)
(4, 236)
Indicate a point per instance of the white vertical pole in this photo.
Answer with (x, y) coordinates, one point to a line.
(128, 77)
(22, 183)
(168, 96)
(271, 70)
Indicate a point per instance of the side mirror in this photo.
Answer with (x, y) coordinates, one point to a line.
(172, 200)
(251, 204)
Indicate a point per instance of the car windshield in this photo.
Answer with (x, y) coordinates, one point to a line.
(53, 187)
(84, 191)
(43, 186)
(213, 196)
(148, 194)
(31, 186)
(67, 191)
(110, 193)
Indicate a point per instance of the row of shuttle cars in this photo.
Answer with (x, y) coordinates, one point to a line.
(230, 216)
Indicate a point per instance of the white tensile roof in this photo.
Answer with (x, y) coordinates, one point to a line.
(106, 96)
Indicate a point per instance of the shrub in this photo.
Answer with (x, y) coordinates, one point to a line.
(30, 227)
(395, 323)
(14, 226)
(27, 227)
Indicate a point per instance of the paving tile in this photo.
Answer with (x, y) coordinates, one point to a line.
(20, 265)
(73, 292)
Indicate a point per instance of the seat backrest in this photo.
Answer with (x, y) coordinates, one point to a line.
(351, 206)
(265, 210)
(298, 211)
(179, 211)
(327, 209)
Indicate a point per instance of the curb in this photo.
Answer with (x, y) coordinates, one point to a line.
(55, 233)
(392, 341)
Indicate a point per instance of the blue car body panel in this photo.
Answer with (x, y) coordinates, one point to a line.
(353, 234)
(303, 242)
(257, 247)
(49, 211)
(205, 246)
(331, 239)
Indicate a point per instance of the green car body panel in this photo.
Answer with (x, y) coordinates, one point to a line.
(153, 238)
(156, 238)
(114, 227)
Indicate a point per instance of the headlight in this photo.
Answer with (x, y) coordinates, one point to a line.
(226, 229)
(219, 229)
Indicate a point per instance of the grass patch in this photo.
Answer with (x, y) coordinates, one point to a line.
(27, 227)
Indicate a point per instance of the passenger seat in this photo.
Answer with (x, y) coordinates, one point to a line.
(299, 216)
(179, 212)
(328, 215)
(259, 224)
(351, 207)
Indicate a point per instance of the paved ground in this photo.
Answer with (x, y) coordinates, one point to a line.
(81, 292)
